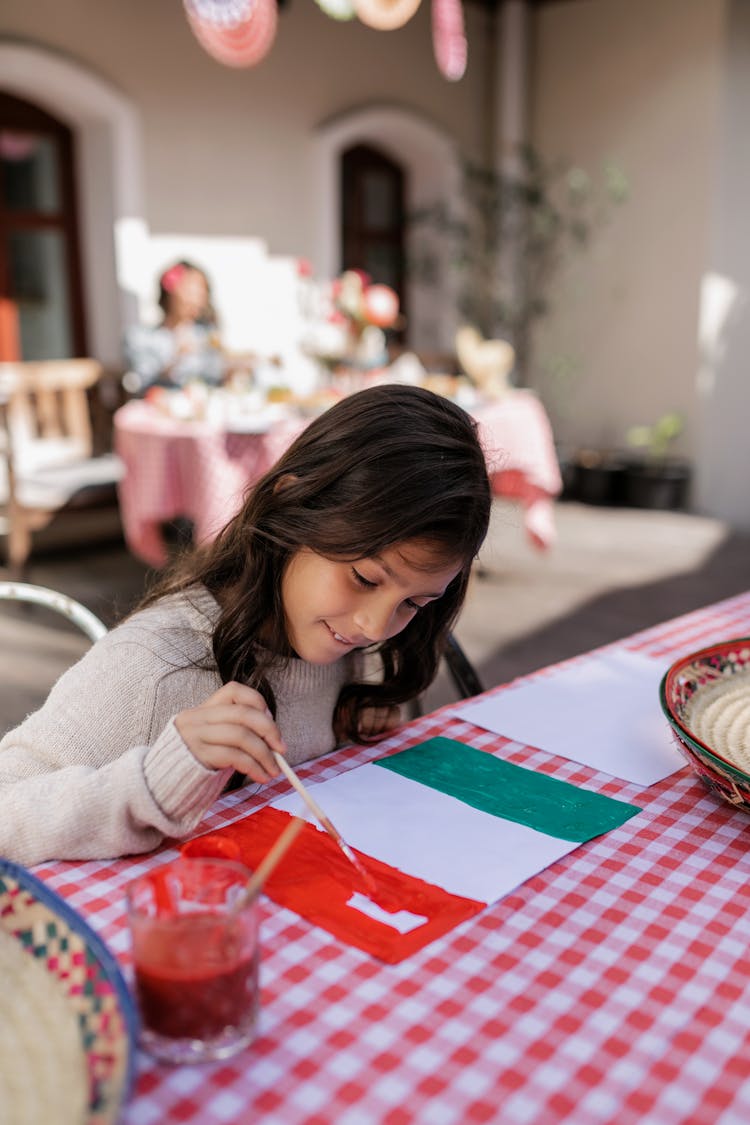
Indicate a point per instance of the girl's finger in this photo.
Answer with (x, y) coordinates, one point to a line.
(222, 746)
(251, 719)
(235, 692)
(233, 737)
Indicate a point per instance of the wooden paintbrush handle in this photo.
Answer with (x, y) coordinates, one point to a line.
(306, 796)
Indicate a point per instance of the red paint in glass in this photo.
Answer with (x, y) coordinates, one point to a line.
(194, 976)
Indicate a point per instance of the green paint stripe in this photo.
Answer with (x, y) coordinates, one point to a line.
(509, 791)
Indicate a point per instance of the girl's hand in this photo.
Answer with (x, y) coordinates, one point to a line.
(233, 729)
(374, 722)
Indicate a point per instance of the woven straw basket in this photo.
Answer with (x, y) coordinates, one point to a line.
(68, 1025)
(706, 699)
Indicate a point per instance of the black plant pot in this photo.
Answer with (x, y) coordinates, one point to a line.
(657, 484)
(600, 483)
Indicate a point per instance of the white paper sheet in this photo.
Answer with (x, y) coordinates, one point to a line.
(425, 833)
(602, 711)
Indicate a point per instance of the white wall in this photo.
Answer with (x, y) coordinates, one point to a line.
(724, 382)
(637, 82)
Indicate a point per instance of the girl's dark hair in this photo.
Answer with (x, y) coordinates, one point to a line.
(166, 285)
(383, 466)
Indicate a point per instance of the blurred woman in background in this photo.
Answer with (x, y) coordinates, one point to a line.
(185, 346)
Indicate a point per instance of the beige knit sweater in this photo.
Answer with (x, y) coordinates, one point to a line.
(100, 771)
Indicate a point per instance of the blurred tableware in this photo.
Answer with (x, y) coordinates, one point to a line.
(705, 697)
(195, 955)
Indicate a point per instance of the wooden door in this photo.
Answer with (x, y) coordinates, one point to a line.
(372, 219)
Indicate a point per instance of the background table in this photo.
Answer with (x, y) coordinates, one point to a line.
(195, 469)
(199, 470)
(613, 987)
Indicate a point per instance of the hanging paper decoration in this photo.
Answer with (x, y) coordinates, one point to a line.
(234, 32)
(337, 9)
(221, 13)
(385, 15)
(241, 32)
(449, 38)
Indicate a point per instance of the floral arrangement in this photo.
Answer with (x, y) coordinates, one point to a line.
(348, 320)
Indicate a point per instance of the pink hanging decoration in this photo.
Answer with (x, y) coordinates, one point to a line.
(449, 38)
(221, 13)
(240, 34)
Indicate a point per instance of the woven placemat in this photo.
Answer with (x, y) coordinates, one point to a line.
(68, 1025)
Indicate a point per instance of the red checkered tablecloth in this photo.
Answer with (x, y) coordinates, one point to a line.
(613, 987)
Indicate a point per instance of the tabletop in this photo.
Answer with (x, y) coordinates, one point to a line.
(612, 987)
(200, 469)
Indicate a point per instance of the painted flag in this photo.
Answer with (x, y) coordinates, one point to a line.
(443, 828)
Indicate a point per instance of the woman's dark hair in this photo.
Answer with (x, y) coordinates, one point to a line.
(383, 466)
(171, 277)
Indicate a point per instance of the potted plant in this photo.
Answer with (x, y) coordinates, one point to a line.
(597, 476)
(656, 479)
(507, 236)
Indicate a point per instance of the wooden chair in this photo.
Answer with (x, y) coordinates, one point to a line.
(47, 462)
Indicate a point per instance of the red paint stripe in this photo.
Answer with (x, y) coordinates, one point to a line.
(315, 881)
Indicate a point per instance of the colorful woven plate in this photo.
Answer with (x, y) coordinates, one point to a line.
(68, 1025)
(706, 699)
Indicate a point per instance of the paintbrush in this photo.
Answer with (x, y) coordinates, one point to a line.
(325, 822)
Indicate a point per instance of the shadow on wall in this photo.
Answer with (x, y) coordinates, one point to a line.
(618, 613)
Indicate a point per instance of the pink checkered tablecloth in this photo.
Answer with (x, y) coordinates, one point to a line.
(194, 469)
(613, 987)
(199, 470)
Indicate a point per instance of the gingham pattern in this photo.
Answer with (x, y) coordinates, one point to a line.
(614, 987)
(192, 469)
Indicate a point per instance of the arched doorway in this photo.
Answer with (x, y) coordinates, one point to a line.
(41, 303)
(109, 179)
(431, 172)
(373, 193)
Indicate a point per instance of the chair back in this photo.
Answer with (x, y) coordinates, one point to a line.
(48, 401)
(47, 462)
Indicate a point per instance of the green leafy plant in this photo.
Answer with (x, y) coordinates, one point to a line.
(509, 234)
(657, 438)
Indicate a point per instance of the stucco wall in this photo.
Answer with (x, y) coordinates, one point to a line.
(724, 382)
(636, 82)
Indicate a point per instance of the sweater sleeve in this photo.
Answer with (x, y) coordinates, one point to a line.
(100, 770)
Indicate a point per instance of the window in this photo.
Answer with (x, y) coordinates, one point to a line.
(372, 195)
(41, 307)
